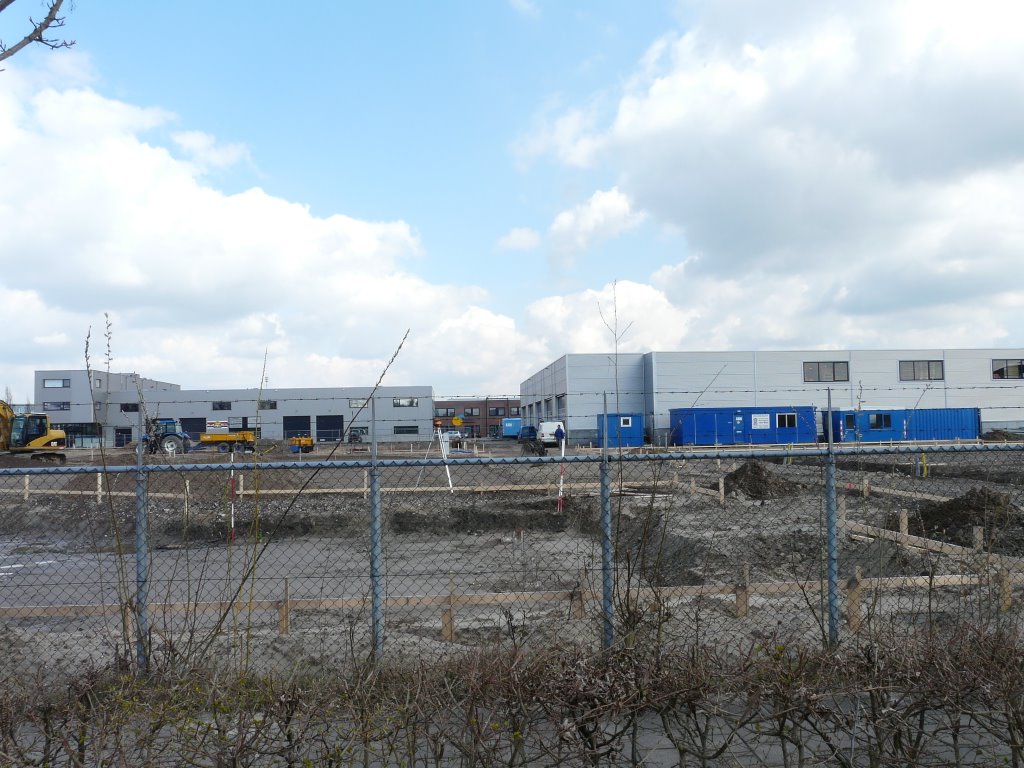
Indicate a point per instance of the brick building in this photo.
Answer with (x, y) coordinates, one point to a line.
(480, 417)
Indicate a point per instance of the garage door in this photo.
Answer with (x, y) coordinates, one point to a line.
(193, 427)
(296, 426)
(329, 429)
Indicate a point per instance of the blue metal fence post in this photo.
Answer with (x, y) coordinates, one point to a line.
(141, 552)
(376, 587)
(607, 584)
(831, 524)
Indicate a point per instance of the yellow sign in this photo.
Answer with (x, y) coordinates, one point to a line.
(457, 421)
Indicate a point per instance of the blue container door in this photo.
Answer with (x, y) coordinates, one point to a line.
(705, 429)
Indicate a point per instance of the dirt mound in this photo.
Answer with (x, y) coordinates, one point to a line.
(954, 520)
(1001, 436)
(754, 480)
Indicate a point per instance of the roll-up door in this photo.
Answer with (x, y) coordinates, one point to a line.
(329, 429)
(296, 426)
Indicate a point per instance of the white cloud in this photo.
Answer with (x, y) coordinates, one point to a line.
(641, 315)
(200, 285)
(520, 239)
(56, 339)
(206, 152)
(841, 175)
(606, 214)
(525, 7)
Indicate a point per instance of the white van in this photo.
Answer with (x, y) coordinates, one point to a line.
(546, 432)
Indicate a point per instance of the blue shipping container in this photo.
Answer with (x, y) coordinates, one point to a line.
(778, 425)
(625, 430)
(510, 427)
(875, 425)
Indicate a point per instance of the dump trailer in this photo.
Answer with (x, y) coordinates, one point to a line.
(30, 434)
(301, 443)
(230, 441)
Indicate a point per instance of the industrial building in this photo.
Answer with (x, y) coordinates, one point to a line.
(95, 406)
(578, 388)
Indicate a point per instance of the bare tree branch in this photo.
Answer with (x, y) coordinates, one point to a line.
(53, 20)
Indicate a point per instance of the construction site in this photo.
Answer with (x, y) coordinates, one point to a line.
(719, 548)
(308, 565)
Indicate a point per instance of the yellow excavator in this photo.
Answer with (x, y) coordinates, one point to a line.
(31, 434)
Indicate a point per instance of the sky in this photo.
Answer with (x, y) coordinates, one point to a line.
(224, 195)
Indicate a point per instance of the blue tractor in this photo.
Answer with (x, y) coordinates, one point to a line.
(167, 436)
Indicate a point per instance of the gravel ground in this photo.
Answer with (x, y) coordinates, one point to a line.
(501, 531)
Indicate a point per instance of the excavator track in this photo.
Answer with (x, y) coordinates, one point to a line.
(50, 458)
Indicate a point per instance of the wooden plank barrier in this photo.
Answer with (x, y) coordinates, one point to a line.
(576, 598)
(903, 539)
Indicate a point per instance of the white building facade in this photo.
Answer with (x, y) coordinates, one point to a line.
(94, 407)
(576, 387)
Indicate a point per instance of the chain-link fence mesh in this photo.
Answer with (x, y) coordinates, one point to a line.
(769, 607)
(341, 560)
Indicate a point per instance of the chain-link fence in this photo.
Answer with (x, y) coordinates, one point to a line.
(342, 560)
(769, 607)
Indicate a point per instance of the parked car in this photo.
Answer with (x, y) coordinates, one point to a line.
(527, 434)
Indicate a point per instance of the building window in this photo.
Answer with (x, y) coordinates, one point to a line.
(471, 412)
(838, 370)
(441, 412)
(56, 383)
(267, 405)
(405, 402)
(220, 405)
(495, 411)
(921, 370)
(785, 421)
(97, 383)
(880, 421)
(1008, 369)
(57, 406)
(129, 407)
(357, 402)
(625, 421)
(407, 429)
(513, 411)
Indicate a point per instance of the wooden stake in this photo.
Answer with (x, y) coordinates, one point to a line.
(576, 607)
(853, 590)
(284, 611)
(979, 537)
(1005, 589)
(448, 615)
(743, 592)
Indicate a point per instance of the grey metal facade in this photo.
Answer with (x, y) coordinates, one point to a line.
(656, 382)
(403, 413)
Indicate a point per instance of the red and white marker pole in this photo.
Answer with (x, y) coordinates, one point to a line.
(561, 479)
